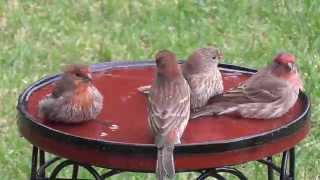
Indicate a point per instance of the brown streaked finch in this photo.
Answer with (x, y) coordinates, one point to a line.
(203, 76)
(74, 98)
(270, 93)
(169, 110)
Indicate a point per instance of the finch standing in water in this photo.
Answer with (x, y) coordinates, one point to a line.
(270, 93)
(169, 110)
(74, 98)
(204, 78)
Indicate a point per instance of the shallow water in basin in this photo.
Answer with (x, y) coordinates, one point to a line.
(124, 116)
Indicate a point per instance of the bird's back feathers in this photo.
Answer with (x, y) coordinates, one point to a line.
(65, 84)
(168, 109)
(262, 96)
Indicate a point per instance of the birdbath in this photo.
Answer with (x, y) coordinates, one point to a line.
(119, 138)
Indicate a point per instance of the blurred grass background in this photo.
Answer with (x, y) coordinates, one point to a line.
(38, 37)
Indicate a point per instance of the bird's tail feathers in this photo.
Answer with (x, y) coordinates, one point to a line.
(165, 163)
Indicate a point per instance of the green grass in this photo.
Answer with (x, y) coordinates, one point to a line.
(38, 37)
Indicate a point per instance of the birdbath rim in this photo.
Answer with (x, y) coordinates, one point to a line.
(27, 120)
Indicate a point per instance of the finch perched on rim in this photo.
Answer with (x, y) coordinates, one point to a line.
(169, 110)
(74, 98)
(270, 93)
(204, 78)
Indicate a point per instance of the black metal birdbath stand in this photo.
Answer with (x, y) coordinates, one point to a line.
(211, 146)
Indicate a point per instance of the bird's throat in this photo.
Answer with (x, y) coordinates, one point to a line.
(83, 96)
(293, 78)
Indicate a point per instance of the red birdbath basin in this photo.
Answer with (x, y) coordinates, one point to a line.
(120, 138)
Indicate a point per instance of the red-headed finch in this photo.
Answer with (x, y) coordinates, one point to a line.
(204, 78)
(169, 110)
(74, 98)
(270, 93)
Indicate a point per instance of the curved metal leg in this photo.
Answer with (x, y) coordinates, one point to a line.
(270, 170)
(34, 163)
(93, 172)
(287, 168)
(286, 171)
(233, 171)
(42, 169)
(292, 164)
(42, 162)
(39, 166)
(75, 171)
(215, 173)
(270, 164)
(284, 164)
(66, 163)
(210, 173)
(110, 173)
(58, 168)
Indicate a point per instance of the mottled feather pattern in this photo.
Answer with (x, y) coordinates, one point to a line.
(204, 86)
(169, 111)
(273, 109)
(63, 109)
(163, 119)
(203, 76)
(263, 96)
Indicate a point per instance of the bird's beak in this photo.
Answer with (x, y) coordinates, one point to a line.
(291, 66)
(221, 56)
(88, 77)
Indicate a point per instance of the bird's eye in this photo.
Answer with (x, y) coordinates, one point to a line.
(214, 57)
(78, 74)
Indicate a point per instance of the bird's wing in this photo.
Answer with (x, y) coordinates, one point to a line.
(166, 112)
(196, 82)
(165, 118)
(254, 93)
(62, 86)
(261, 90)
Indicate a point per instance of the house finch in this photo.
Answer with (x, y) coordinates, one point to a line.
(204, 78)
(74, 98)
(169, 110)
(270, 93)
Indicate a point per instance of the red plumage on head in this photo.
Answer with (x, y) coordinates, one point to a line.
(285, 58)
(289, 75)
(79, 70)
